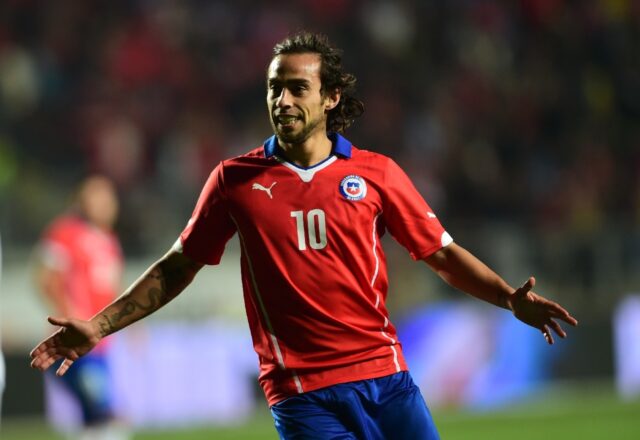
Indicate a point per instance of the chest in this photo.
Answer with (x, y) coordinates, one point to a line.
(282, 202)
(95, 251)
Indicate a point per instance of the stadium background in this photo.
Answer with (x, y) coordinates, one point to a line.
(518, 122)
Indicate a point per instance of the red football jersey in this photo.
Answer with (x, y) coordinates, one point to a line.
(90, 261)
(313, 268)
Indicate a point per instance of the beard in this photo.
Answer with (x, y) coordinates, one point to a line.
(295, 137)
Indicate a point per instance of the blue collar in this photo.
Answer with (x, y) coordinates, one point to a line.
(341, 146)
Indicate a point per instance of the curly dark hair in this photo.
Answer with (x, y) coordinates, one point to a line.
(331, 76)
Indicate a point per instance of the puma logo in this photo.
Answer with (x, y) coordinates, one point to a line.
(262, 188)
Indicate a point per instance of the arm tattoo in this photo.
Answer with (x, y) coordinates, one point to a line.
(155, 300)
(156, 274)
(156, 297)
(106, 328)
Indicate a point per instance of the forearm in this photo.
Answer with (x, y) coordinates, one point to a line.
(462, 270)
(162, 282)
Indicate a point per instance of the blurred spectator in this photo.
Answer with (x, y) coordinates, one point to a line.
(79, 272)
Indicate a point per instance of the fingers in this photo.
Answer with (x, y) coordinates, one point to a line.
(529, 284)
(45, 359)
(552, 308)
(64, 367)
(557, 311)
(42, 363)
(546, 331)
(540, 312)
(568, 319)
(36, 351)
(526, 287)
(46, 345)
(41, 354)
(53, 349)
(62, 322)
(47, 352)
(547, 335)
(556, 328)
(44, 355)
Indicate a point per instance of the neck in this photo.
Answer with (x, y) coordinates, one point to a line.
(104, 226)
(311, 151)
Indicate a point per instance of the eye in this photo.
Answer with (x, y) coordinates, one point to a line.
(275, 89)
(298, 90)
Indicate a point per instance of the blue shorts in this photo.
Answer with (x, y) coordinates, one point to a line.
(389, 407)
(89, 381)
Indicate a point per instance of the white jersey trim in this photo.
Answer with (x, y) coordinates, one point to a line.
(373, 280)
(375, 253)
(177, 246)
(446, 239)
(392, 346)
(263, 309)
(306, 174)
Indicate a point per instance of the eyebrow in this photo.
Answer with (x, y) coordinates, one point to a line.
(292, 81)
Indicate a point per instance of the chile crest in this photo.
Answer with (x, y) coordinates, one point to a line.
(353, 187)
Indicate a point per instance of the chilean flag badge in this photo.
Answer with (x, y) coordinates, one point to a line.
(353, 188)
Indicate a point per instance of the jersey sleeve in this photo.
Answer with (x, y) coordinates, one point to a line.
(210, 226)
(408, 217)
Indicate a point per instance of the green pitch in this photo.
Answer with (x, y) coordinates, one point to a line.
(582, 414)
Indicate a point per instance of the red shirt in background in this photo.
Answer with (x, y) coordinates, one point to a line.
(88, 259)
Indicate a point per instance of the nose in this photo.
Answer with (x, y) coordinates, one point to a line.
(284, 99)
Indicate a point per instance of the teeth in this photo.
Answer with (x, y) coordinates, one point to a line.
(287, 119)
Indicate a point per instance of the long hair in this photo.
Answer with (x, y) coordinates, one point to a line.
(331, 76)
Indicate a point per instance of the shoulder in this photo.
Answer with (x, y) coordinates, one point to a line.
(371, 159)
(60, 241)
(380, 168)
(362, 154)
(251, 159)
(65, 226)
(254, 162)
(229, 171)
(255, 155)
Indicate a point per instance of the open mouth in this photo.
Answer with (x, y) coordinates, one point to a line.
(286, 120)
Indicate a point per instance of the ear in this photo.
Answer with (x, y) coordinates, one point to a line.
(331, 99)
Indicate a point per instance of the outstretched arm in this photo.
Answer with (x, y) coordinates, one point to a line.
(162, 282)
(462, 270)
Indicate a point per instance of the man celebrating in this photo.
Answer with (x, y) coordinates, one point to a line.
(309, 209)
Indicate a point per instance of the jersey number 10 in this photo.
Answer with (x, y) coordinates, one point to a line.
(315, 234)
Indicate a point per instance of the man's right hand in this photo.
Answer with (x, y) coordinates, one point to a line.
(75, 338)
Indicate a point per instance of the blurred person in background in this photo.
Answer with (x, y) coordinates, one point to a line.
(79, 272)
(310, 209)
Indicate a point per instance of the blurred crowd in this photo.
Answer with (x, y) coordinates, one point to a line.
(503, 112)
